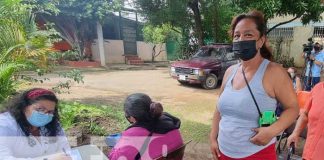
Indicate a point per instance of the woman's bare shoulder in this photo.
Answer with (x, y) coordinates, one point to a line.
(275, 68)
(229, 70)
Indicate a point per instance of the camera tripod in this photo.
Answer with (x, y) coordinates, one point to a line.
(307, 79)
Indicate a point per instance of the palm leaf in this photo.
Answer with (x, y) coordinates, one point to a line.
(7, 71)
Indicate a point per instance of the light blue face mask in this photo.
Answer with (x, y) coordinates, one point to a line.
(39, 119)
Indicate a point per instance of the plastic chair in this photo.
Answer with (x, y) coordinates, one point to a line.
(176, 154)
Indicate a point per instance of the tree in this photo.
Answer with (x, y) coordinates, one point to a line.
(184, 14)
(158, 35)
(306, 10)
(198, 21)
(199, 30)
(217, 19)
(77, 19)
(158, 12)
(22, 45)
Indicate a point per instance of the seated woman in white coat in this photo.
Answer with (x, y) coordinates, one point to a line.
(30, 128)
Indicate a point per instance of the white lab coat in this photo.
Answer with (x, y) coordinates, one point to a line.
(14, 144)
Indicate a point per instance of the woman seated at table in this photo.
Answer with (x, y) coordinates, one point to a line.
(30, 128)
(153, 132)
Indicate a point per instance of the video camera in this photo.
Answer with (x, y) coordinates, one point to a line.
(308, 48)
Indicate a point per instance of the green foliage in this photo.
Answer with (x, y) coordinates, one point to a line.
(7, 83)
(56, 57)
(43, 6)
(71, 76)
(186, 50)
(162, 12)
(157, 34)
(20, 35)
(89, 9)
(21, 43)
(195, 131)
(97, 129)
(77, 20)
(307, 10)
(215, 15)
(217, 19)
(71, 55)
(72, 114)
(23, 46)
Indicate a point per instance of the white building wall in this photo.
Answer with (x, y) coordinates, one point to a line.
(114, 51)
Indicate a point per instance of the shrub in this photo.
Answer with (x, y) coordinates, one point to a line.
(89, 117)
(285, 60)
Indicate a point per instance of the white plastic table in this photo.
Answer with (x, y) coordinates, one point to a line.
(88, 152)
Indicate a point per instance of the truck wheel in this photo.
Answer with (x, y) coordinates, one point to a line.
(210, 81)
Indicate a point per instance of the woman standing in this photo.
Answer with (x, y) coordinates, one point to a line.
(312, 116)
(236, 132)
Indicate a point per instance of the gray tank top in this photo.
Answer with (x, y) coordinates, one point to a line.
(239, 115)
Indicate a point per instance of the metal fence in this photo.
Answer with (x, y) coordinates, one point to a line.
(283, 33)
(318, 32)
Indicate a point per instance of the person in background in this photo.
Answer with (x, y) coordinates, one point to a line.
(30, 128)
(295, 79)
(314, 66)
(296, 82)
(313, 117)
(152, 132)
(236, 132)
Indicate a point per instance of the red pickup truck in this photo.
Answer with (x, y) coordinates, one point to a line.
(206, 67)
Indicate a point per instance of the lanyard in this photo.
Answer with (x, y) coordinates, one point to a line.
(255, 102)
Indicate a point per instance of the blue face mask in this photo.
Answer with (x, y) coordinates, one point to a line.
(39, 119)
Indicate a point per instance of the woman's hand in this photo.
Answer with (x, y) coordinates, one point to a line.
(263, 136)
(214, 149)
(293, 138)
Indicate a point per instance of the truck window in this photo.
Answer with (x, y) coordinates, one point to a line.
(229, 55)
(216, 53)
(201, 53)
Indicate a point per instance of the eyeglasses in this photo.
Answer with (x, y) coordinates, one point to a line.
(43, 110)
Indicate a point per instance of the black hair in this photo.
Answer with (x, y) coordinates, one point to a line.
(18, 104)
(258, 19)
(141, 107)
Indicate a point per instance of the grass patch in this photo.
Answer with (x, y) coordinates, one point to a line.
(92, 119)
(195, 131)
(106, 119)
(191, 130)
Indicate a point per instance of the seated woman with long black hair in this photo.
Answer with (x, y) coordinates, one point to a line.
(152, 132)
(30, 128)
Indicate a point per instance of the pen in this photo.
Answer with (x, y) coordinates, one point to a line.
(65, 152)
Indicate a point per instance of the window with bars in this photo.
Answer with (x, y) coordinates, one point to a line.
(285, 33)
(319, 32)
